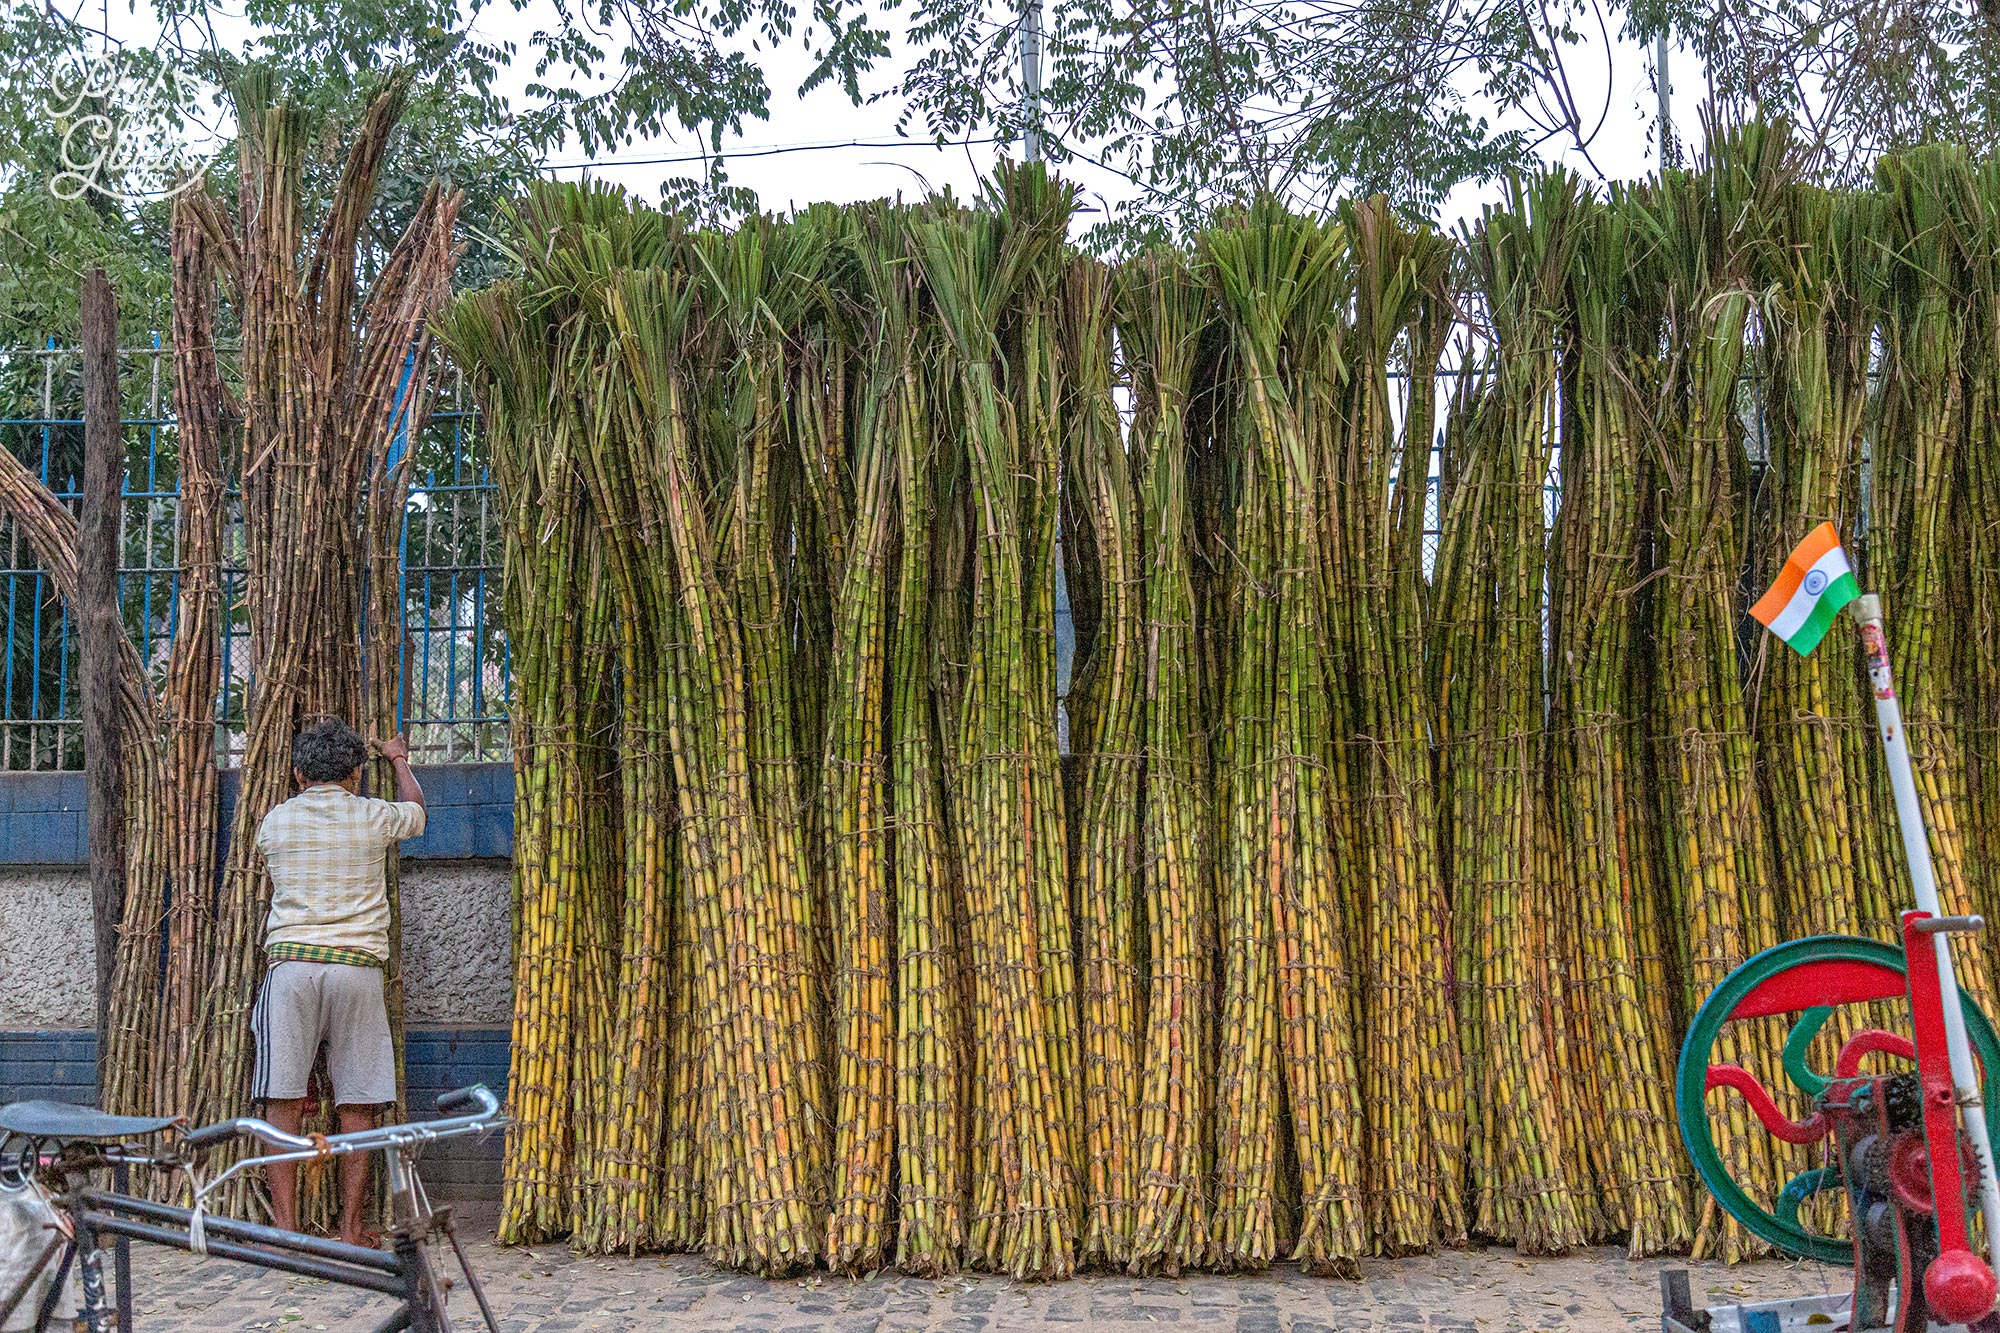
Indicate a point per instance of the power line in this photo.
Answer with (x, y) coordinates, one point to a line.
(772, 151)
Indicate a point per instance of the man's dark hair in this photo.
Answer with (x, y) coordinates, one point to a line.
(328, 750)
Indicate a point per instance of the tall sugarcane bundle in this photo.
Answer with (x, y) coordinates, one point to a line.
(1162, 308)
(1106, 722)
(760, 282)
(1034, 204)
(1280, 282)
(1525, 1174)
(1719, 877)
(151, 1040)
(858, 822)
(1978, 520)
(194, 665)
(1595, 736)
(754, 1166)
(930, 993)
(129, 1069)
(151, 1043)
(324, 368)
(1932, 217)
(1412, 1064)
(1008, 813)
(1822, 264)
(512, 354)
(575, 240)
(598, 909)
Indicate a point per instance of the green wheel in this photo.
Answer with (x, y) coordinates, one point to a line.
(1804, 979)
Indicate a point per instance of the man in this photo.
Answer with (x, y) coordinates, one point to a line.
(327, 942)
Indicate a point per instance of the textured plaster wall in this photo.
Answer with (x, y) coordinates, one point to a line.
(457, 960)
(47, 968)
(458, 956)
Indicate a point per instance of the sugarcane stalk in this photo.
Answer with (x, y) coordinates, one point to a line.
(1162, 307)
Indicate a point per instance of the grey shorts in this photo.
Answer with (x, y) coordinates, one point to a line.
(304, 1006)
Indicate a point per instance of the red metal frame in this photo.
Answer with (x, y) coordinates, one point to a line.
(1934, 1075)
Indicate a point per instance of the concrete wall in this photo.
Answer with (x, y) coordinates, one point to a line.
(47, 957)
(457, 957)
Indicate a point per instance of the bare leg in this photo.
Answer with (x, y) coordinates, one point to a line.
(283, 1177)
(354, 1174)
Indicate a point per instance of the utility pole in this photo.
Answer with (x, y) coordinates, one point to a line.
(1666, 100)
(1031, 73)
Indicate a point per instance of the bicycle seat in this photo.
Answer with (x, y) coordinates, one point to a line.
(59, 1120)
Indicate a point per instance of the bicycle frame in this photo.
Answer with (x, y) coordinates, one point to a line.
(405, 1272)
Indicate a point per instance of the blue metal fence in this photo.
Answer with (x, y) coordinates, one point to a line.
(454, 653)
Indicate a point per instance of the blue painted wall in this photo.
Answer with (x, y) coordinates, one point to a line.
(471, 815)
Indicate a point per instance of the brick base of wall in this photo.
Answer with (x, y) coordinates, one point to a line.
(62, 1067)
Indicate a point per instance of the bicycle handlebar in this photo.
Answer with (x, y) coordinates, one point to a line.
(482, 1106)
(210, 1135)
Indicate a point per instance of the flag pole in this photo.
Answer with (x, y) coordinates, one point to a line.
(1867, 613)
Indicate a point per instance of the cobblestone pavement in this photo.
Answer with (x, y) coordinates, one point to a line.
(549, 1290)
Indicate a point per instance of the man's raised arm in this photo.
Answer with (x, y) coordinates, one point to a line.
(397, 751)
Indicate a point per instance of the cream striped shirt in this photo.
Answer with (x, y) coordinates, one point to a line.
(326, 849)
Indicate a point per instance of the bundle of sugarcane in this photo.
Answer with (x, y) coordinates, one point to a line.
(703, 515)
(1287, 1022)
(858, 501)
(1529, 1182)
(1913, 548)
(1978, 519)
(511, 356)
(130, 1069)
(1161, 310)
(1106, 726)
(761, 281)
(324, 367)
(575, 242)
(1594, 728)
(1034, 205)
(194, 664)
(1375, 589)
(1719, 879)
(1007, 803)
(1822, 264)
(1822, 267)
(388, 463)
(1659, 938)
(930, 1017)
(598, 908)
(825, 375)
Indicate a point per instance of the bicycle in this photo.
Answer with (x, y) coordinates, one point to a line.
(65, 1148)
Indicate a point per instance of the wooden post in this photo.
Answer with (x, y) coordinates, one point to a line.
(99, 628)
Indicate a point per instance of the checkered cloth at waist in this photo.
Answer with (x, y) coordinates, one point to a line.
(321, 953)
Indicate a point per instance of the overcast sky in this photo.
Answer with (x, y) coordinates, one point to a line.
(822, 147)
(1611, 80)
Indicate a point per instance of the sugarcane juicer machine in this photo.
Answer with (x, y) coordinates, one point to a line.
(1893, 1158)
(1891, 1141)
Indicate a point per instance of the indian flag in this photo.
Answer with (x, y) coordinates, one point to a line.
(1815, 584)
